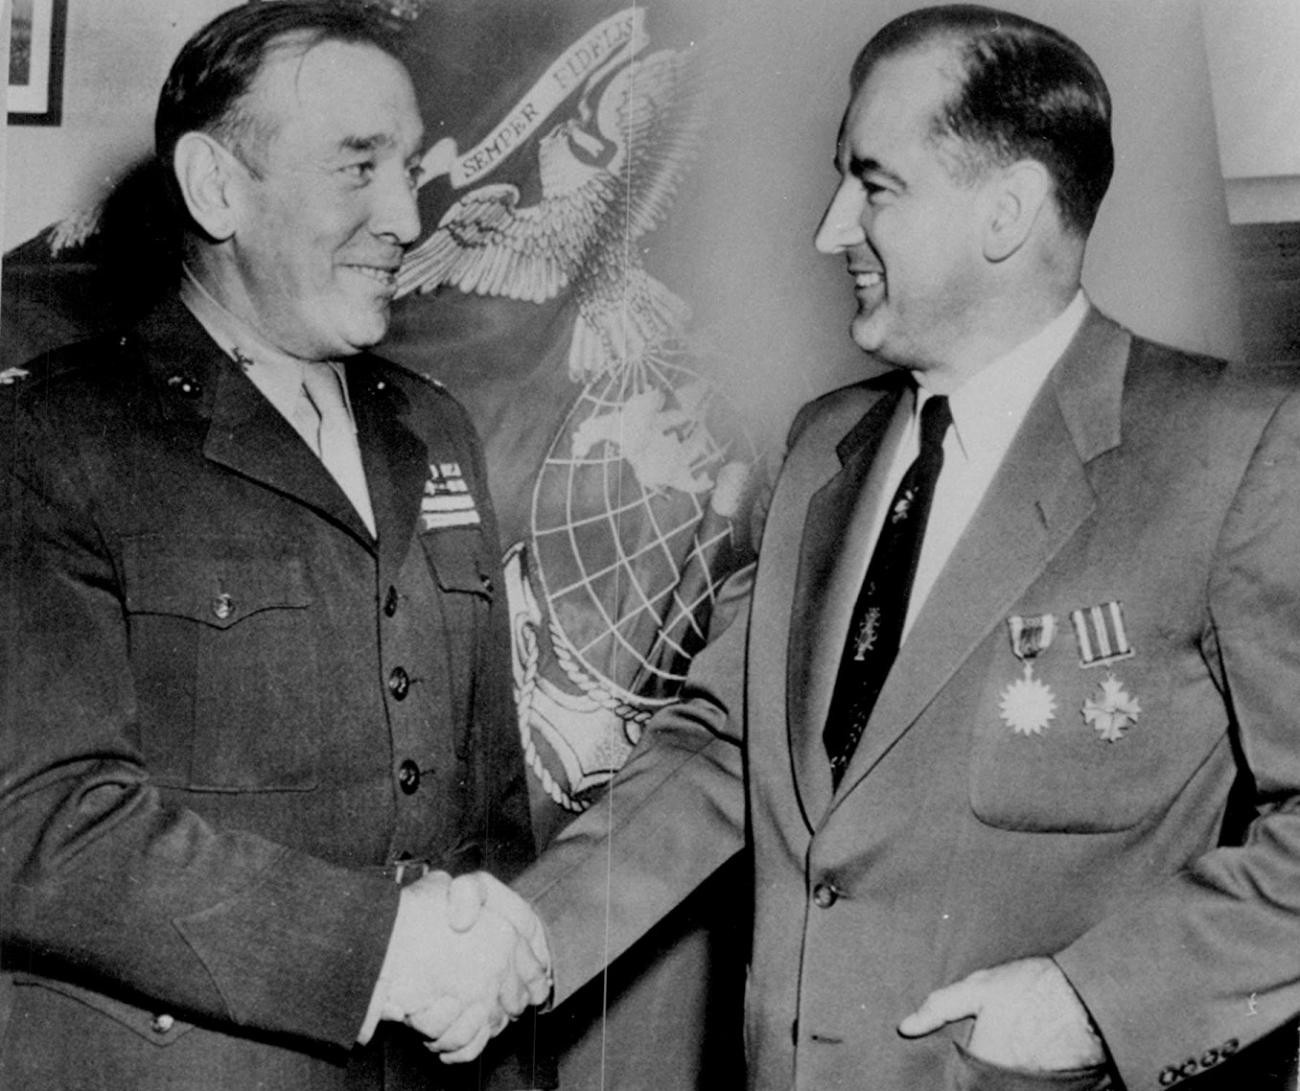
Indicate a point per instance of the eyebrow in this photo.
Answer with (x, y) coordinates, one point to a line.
(858, 167)
(365, 143)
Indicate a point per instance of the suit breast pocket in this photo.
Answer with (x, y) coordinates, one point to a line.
(1076, 749)
(224, 659)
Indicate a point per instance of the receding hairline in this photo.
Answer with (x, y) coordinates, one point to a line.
(248, 125)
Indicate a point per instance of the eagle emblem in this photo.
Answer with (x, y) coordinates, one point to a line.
(608, 175)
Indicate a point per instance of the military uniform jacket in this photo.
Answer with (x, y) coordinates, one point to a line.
(226, 708)
(1146, 834)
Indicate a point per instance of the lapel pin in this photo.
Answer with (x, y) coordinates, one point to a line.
(1028, 704)
(1114, 713)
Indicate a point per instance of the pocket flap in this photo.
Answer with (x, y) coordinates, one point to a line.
(218, 582)
(458, 560)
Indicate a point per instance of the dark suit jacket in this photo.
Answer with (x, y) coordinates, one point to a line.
(1162, 868)
(225, 708)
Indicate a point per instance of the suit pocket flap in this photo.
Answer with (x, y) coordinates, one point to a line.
(218, 582)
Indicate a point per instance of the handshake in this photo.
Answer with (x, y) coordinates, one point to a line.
(466, 956)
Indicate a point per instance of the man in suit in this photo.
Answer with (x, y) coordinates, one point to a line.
(1007, 716)
(255, 703)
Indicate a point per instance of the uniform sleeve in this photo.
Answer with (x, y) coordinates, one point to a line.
(1209, 961)
(670, 818)
(100, 881)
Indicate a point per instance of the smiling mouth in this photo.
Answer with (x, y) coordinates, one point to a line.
(383, 276)
(865, 279)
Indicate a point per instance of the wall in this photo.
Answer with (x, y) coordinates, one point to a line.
(1252, 46)
(118, 52)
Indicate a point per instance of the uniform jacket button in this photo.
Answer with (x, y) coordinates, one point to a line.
(162, 1023)
(222, 606)
(390, 602)
(825, 895)
(408, 777)
(399, 683)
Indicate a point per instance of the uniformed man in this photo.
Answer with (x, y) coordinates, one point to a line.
(255, 702)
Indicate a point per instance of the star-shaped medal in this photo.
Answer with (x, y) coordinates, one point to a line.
(1027, 705)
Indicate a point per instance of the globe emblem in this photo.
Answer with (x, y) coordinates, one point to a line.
(636, 519)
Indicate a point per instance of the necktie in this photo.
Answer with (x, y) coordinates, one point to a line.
(323, 417)
(876, 629)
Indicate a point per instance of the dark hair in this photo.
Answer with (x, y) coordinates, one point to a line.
(208, 82)
(1025, 91)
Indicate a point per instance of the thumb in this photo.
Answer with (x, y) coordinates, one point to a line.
(466, 897)
(518, 913)
(961, 1000)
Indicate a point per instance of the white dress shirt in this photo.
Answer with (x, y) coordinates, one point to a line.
(987, 411)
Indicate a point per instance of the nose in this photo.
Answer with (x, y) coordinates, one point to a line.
(841, 225)
(396, 215)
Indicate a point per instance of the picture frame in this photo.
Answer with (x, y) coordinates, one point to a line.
(36, 46)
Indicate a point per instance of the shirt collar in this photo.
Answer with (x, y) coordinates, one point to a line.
(276, 374)
(987, 410)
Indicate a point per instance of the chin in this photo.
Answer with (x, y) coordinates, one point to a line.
(365, 335)
(866, 335)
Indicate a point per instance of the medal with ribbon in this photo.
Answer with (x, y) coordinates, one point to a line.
(1028, 704)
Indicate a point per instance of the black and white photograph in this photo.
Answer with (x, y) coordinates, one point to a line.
(669, 545)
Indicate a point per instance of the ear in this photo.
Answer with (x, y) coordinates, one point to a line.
(205, 172)
(1017, 196)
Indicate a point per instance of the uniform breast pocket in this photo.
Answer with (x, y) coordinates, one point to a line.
(224, 660)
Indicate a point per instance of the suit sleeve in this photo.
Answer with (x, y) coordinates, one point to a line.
(670, 818)
(102, 881)
(1209, 961)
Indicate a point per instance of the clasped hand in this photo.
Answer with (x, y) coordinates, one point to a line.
(467, 955)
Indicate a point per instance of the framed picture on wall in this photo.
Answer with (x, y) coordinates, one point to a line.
(36, 44)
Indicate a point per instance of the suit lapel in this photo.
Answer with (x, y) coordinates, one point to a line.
(833, 556)
(1036, 501)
